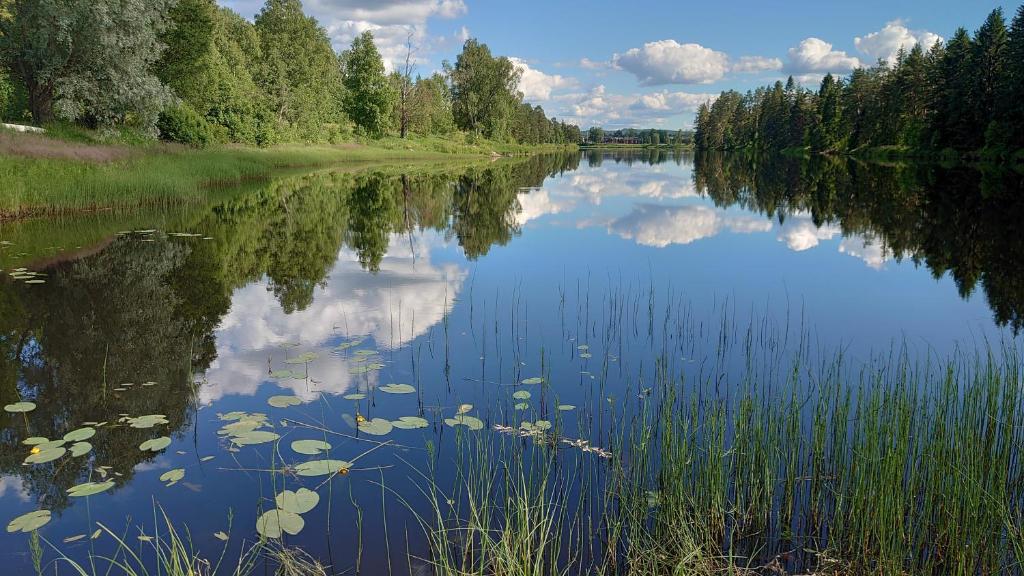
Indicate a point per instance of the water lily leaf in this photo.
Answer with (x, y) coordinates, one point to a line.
(522, 406)
(20, 407)
(206, 458)
(89, 488)
(221, 536)
(534, 380)
(155, 444)
(470, 422)
(464, 408)
(239, 427)
(44, 456)
(354, 396)
(376, 427)
(583, 347)
(74, 538)
(254, 437)
(29, 522)
(566, 407)
(50, 444)
(542, 425)
(322, 467)
(347, 345)
(284, 401)
(310, 447)
(301, 501)
(80, 434)
(172, 476)
(96, 534)
(285, 375)
(80, 449)
(586, 355)
(397, 389)
(271, 524)
(521, 395)
(410, 423)
(147, 421)
(303, 358)
(34, 440)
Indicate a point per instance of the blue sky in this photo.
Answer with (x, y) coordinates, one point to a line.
(616, 64)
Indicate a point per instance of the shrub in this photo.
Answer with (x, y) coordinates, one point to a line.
(184, 125)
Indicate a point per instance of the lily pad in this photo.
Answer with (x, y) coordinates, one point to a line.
(80, 449)
(303, 358)
(542, 425)
(285, 375)
(240, 427)
(271, 524)
(521, 395)
(464, 408)
(44, 456)
(172, 476)
(410, 423)
(470, 422)
(29, 522)
(534, 380)
(397, 389)
(34, 440)
(566, 407)
(299, 502)
(284, 401)
(90, 488)
(147, 421)
(80, 434)
(322, 467)
(254, 437)
(347, 345)
(376, 427)
(155, 444)
(354, 396)
(310, 447)
(522, 406)
(20, 407)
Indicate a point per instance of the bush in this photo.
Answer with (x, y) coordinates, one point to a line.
(6, 95)
(184, 125)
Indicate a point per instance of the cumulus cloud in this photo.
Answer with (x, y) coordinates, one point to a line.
(661, 226)
(756, 64)
(870, 251)
(800, 233)
(669, 62)
(539, 202)
(391, 21)
(598, 107)
(815, 56)
(15, 486)
(536, 85)
(400, 303)
(886, 43)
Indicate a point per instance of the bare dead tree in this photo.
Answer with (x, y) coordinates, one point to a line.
(405, 91)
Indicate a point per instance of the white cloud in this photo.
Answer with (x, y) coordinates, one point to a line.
(588, 64)
(539, 202)
(756, 64)
(800, 233)
(391, 21)
(886, 43)
(660, 226)
(536, 85)
(814, 55)
(600, 108)
(870, 251)
(15, 486)
(669, 62)
(394, 306)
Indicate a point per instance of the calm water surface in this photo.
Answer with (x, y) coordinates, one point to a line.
(460, 283)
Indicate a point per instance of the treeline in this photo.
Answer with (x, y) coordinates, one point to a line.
(964, 95)
(194, 72)
(652, 136)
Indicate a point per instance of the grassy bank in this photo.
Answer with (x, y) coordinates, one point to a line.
(635, 147)
(49, 176)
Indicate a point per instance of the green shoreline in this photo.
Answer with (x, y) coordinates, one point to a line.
(161, 175)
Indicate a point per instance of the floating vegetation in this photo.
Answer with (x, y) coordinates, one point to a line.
(80, 449)
(20, 407)
(521, 395)
(172, 477)
(29, 522)
(586, 355)
(323, 467)
(89, 488)
(42, 456)
(522, 406)
(365, 368)
(354, 396)
(464, 408)
(304, 358)
(80, 434)
(410, 423)
(299, 502)
(534, 380)
(566, 407)
(287, 375)
(470, 422)
(310, 447)
(284, 401)
(540, 425)
(376, 427)
(253, 437)
(346, 345)
(34, 440)
(147, 421)
(276, 522)
(397, 389)
(155, 444)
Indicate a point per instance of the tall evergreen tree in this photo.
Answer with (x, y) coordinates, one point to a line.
(1011, 94)
(988, 61)
(829, 130)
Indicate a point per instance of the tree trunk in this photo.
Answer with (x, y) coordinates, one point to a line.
(40, 103)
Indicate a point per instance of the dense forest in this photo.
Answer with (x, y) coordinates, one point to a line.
(960, 96)
(648, 136)
(193, 72)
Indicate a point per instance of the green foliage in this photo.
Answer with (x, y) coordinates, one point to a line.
(6, 94)
(369, 95)
(959, 96)
(184, 125)
(483, 91)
